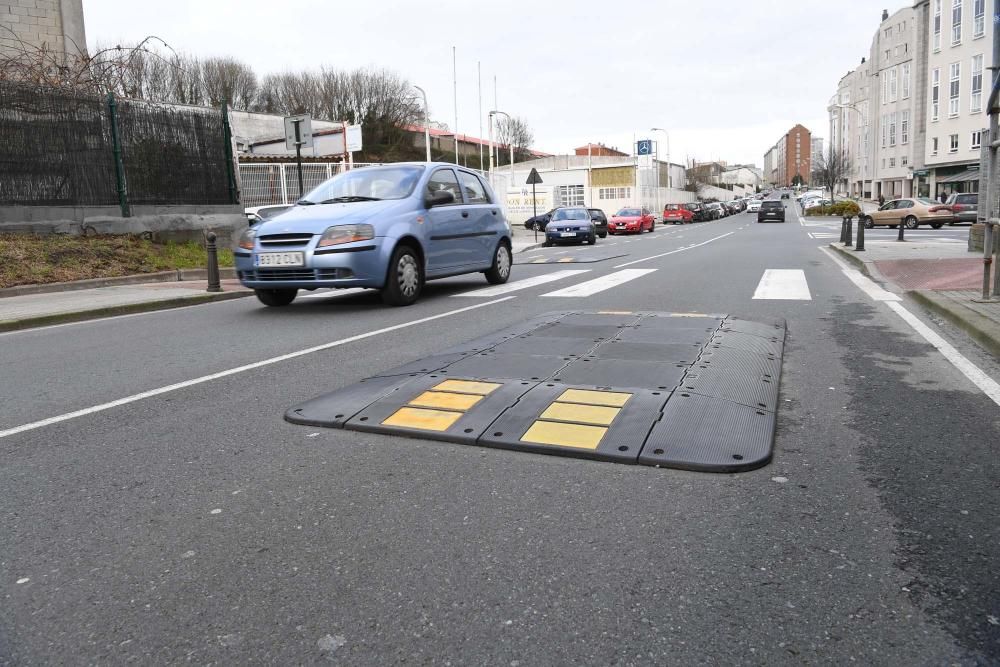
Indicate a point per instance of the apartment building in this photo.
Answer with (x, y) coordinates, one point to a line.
(790, 157)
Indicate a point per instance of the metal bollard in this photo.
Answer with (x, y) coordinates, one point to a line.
(843, 229)
(850, 233)
(902, 226)
(213, 264)
(987, 257)
(860, 245)
(996, 264)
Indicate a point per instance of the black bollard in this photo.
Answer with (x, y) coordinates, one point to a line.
(213, 264)
(850, 233)
(860, 245)
(902, 226)
(843, 229)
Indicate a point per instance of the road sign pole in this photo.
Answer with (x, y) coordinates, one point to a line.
(534, 210)
(298, 153)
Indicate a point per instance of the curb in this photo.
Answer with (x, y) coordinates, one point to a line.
(111, 311)
(176, 275)
(866, 267)
(979, 328)
(530, 247)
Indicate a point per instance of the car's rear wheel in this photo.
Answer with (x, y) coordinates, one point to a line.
(276, 297)
(547, 244)
(539, 227)
(911, 222)
(937, 225)
(404, 279)
(604, 235)
(652, 225)
(868, 222)
(499, 272)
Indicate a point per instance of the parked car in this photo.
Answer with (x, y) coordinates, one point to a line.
(631, 221)
(676, 214)
(784, 195)
(911, 212)
(390, 228)
(753, 206)
(714, 210)
(600, 221)
(539, 221)
(771, 210)
(572, 224)
(698, 212)
(964, 207)
(257, 214)
(734, 207)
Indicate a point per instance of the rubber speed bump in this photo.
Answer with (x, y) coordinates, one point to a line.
(682, 390)
(583, 257)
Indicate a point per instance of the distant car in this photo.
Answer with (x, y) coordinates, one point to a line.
(600, 221)
(570, 225)
(257, 214)
(735, 206)
(912, 212)
(539, 221)
(753, 206)
(390, 228)
(784, 195)
(771, 210)
(631, 221)
(676, 214)
(964, 207)
(713, 210)
(698, 212)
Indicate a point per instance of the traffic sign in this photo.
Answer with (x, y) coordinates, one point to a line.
(533, 177)
(645, 147)
(298, 132)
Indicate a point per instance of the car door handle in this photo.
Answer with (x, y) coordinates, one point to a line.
(465, 214)
(494, 211)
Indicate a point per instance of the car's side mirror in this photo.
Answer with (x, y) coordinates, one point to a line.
(439, 198)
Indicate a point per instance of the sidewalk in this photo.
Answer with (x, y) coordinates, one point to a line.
(943, 277)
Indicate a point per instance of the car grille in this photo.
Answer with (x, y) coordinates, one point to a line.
(298, 274)
(275, 240)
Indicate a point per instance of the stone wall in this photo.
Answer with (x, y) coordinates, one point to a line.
(976, 233)
(55, 24)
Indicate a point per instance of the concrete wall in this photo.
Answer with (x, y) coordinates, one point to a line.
(55, 24)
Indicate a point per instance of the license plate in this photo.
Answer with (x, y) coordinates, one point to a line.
(568, 234)
(279, 259)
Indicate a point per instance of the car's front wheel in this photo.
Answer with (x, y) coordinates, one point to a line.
(404, 278)
(500, 271)
(276, 297)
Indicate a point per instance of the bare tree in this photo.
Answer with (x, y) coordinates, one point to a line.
(515, 132)
(185, 80)
(228, 80)
(830, 168)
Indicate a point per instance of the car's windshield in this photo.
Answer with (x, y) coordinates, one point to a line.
(628, 213)
(571, 214)
(771, 204)
(929, 202)
(395, 182)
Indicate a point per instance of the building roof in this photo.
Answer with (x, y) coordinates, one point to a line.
(601, 147)
(437, 132)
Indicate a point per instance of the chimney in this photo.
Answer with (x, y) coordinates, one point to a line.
(885, 14)
(862, 60)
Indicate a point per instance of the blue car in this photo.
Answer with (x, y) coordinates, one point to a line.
(570, 225)
(390, 228)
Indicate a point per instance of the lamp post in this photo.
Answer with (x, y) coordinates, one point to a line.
(510, 142)
(427, 125)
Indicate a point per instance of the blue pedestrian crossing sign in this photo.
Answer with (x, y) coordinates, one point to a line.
(644, 147)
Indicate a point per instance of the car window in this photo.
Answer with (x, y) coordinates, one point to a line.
(571, 214)
(597, 214)
(628, 213)
(888, 206)
(444, 179)
(474, 192)
(374, 182)
(771, 204)
(904, 203)
(967, 199)
(929, 202)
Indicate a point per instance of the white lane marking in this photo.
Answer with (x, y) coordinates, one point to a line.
(865, 284)
(523, 284)
(336, 292)
(239, 369)
(987, 384)
(787, 284)
(664, 254)
(600, 284)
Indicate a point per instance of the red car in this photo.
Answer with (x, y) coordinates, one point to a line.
(631, 221)
(677, 214)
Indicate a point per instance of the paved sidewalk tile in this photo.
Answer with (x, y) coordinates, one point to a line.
(937, 274)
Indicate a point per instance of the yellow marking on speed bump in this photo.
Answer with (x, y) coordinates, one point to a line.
(614, 312)
(446, 400)
(612, 399)
(583, 414)
(565, 260)
(539, 261)
(420, 418)
(565, 435)
(467, 387)
(689, 315)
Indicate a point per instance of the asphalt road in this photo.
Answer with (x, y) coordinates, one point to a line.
(191, 523)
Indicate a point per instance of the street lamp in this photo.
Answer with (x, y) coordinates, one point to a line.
(427, 124)
(667, 135)
(861, 124)
(510, 143)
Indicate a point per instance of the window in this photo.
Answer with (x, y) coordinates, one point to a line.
(976, 102)
(906, 80)
(978, 14)
(892, 162)
(885, 129)
(937, 25)
(885, 89)
(905, 160)
(614, 193)
(892, 85)
(953, 143)
(444, 179)
(934, 146)
(474, 191)
(977, 140)
(892, 129)
(956, 22)
(569, 195)
(888, 32)
(955, 73)
(904, 127)
(935, 92)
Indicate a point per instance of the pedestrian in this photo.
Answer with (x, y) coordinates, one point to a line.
(943, 196)
(881, 200)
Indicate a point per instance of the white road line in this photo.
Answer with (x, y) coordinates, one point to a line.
(325, 294)
(239, 369)
(523, 284)
(664, 254)
(789, 284)
(987, 384)
(600, 284)
(865, 284)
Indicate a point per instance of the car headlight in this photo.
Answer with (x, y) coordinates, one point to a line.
(246, 239)
(346, 234)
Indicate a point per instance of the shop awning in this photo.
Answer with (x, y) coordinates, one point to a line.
(963, 177)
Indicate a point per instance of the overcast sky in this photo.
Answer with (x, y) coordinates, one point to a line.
(726, 78)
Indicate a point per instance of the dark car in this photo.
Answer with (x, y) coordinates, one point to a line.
(784, 195)
(539, 221)
(965, 206)
(570, 225)
(600, 221)
(771, 209)
(698, 212)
